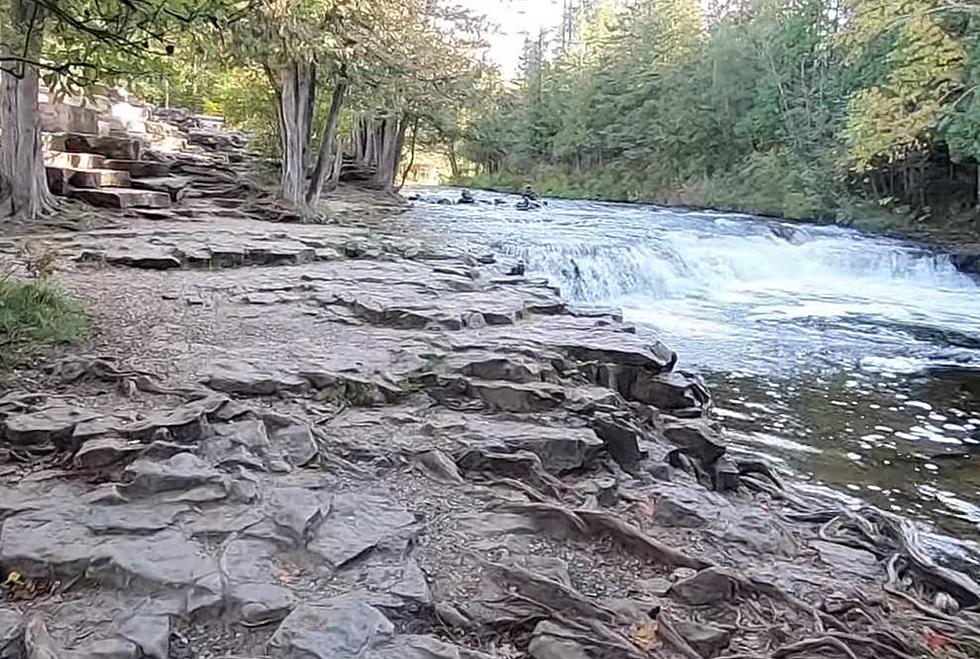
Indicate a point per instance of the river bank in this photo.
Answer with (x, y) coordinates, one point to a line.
(345, 440)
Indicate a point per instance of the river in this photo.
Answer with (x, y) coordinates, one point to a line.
(851, 361)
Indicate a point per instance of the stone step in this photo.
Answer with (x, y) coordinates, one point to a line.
(75, 160)
(140, 168)
(174, 186)
(111, 146)
(61, 179)
(123, 198)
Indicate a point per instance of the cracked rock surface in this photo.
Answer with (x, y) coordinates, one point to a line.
(333, 442)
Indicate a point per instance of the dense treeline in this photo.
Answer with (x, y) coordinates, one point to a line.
(803, 108)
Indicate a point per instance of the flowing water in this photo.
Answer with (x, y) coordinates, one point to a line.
(850, 360)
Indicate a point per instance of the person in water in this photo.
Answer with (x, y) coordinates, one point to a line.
(528, 193)
(466, 197)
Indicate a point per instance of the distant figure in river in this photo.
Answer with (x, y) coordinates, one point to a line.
(466, 197)
(529, 200)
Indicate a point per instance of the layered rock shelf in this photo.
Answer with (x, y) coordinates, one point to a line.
(335, 441)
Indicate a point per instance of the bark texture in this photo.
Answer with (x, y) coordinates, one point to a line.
(295, 85)
(24, 190)
(325, 157)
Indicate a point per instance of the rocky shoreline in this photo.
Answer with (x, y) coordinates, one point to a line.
(335, 441)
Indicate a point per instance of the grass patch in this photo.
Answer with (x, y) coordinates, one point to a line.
(34, 316)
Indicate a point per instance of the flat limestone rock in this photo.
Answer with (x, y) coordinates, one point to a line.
(183, 471)
(358, 523)
(349, 628)
(559, 449)
(11, 629)
(151, 633)
(252, 379)
(516, 397)
(53, 425)
(848, 559)
(105, 451)
(708, 586)
(123, 198)
(174, 186)
(139, 168)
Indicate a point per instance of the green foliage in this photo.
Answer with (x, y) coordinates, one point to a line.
(805, 109)
(35, 315)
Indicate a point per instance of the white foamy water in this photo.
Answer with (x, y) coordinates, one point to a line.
(835, 353)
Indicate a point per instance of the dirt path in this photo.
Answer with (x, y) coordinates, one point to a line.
(332, 441)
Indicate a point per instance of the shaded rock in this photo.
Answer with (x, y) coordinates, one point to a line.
(253, 592)
(512, 369)
(340, 629)
(516, 397)
(131, 518)
(697, 438)
(173, 186)
(672, 391)
(760, 532)
(621, 439)
(139, 168)
(105, 451)
(180, 472)
(708, 586)
(521, 465)
(656, 587)
(249, 379)
(359, 523)
(38, 643)
(349, 628)
(111, 648)
(292, 438)
(726, 475)
(122, 198)
(54, 425)
(560, 449)
(552, 640)
(687, 507)
(439, 466)
(296, 512)
(150, 633)
(11, 630)
(847, 559)
(708, 640)
(187, 423)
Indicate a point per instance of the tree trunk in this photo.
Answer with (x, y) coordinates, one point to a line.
(391, 135)
(325, 156)
(24, 190)
(295, 86)
(411, 159)
(338, 169)
(453, 163)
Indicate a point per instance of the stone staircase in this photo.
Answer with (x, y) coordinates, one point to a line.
(112, 150)
(90, 169)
